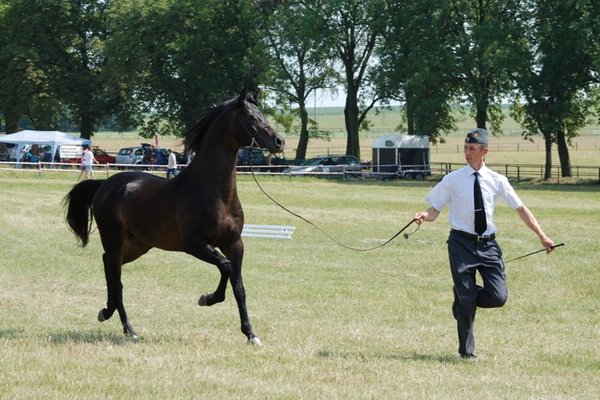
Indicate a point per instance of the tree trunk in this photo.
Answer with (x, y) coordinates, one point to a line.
(352, 126)
(11, 122)
(481, 107)
(303, 141)
(86, 125)
(410, 124)
(548, 146)
(563, 154)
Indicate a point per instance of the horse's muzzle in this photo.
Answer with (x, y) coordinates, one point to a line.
(269, 139)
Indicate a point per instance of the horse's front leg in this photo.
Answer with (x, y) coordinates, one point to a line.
(236, 254)
(209, 254)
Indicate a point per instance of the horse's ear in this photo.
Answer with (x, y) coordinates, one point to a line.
(256, 95)
(242, 96)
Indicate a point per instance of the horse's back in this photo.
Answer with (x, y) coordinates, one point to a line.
(132, 202)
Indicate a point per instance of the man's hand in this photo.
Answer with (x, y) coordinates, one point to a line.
(429, 215)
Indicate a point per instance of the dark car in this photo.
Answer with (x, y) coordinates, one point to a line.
(328, 165)
(161, 157)
(260, 160)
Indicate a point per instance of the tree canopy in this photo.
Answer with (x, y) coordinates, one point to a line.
(157, 64)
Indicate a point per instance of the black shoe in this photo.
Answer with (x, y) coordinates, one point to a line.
(455, 304)
(468, 356)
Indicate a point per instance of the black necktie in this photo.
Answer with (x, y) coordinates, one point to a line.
(480, 222)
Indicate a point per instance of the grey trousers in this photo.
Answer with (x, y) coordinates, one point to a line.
(467, 256)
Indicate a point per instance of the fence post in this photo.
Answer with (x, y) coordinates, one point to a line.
(518, 173)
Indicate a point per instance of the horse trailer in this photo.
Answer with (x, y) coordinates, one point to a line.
(401, 156)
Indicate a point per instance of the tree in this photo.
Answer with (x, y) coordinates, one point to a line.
(483, 50)
(27, 75)
(301, 52)
(179, 57)
(53, 63)
(418, 65)
(556, 74)
(356, 28)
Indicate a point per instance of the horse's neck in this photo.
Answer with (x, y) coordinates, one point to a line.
(215, 168)
(214, 165)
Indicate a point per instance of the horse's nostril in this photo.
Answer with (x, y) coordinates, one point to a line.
(280, 142)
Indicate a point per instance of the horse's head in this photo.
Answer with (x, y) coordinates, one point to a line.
(254, 129)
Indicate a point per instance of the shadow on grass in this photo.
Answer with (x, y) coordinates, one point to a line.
(11, 333)
(87, 337)
(442, 359)
(90, 337)
(67, 337)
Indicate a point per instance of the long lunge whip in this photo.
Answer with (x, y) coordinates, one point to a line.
(325, 233)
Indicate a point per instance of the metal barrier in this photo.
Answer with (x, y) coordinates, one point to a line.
(268, 231)
(516, 172)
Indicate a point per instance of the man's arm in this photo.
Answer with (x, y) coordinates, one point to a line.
(429, 215)
(529, 219)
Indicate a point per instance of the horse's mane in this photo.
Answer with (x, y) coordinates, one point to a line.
(193, 137)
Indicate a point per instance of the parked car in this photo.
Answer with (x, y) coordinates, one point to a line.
(261, 159)
(161, 157)
(100, 155)
(328, 165)
(6, 150)
(146, 154)
(130, 155)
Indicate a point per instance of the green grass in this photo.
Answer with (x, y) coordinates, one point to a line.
(335, 324)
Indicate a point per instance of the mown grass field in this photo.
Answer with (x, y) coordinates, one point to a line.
(335, 324)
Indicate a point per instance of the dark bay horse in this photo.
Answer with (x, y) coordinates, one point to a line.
(196, 212)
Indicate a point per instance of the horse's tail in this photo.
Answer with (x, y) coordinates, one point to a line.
(79, 208)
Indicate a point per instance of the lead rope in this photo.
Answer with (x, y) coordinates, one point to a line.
(317, 227)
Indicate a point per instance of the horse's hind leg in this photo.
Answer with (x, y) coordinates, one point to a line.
(112, 272)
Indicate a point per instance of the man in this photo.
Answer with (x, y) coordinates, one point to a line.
(87, 160)
(171, 164)
(471, 193)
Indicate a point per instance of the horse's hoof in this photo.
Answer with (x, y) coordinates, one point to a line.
(203, 301)
(133, 336)
(101, 317)
(254, 341)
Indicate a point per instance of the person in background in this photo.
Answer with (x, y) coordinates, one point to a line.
(81, 167)
(471, 193)
(190, 157)
(87, 159)
(171, 164)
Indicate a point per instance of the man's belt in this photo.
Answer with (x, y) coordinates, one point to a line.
(477, 238)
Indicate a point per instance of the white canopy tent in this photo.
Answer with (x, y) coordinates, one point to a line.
(54, 139)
